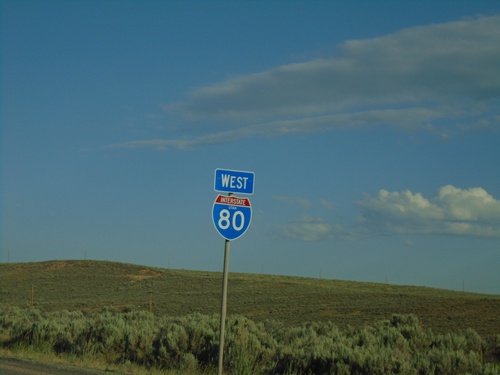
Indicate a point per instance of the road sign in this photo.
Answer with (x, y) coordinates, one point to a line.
(234, 181)
(231, 216)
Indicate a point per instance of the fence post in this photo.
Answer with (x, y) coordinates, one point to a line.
(151, 300)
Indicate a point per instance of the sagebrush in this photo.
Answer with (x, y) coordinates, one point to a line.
(399, 345)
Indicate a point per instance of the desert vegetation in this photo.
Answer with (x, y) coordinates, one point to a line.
(166, 321)
(189, 344)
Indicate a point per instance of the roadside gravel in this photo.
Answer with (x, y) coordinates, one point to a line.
(16, 366)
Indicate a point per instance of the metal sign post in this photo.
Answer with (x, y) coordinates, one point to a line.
(223, 306)
(231, 216)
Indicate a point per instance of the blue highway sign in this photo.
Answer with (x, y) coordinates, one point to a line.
(234, 181)
(231, 216)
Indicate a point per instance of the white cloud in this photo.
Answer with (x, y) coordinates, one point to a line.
(474, 204)
(453, 211)
(433, 78)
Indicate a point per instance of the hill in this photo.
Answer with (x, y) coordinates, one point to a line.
(93, 285)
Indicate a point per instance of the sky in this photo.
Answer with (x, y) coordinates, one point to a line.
(372, 127)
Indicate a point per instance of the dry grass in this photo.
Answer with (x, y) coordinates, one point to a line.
(92, 285)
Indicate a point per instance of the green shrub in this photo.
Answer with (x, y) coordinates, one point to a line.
(189, 344)
(249, 347)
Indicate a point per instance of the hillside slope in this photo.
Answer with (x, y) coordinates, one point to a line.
(93, 285)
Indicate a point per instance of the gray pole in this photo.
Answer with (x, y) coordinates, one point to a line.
(223, 306)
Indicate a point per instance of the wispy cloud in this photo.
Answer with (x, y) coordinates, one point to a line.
(414, 65)
(293, 200)
(307, 228)
(157, 144)
(428, 78)
(327, 204)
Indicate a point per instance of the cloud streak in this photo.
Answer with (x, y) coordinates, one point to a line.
(305, 203)
(433, 78)
(422, 63)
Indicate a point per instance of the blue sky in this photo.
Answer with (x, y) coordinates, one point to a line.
(372, 129)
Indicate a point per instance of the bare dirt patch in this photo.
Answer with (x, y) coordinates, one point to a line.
(143, 275)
